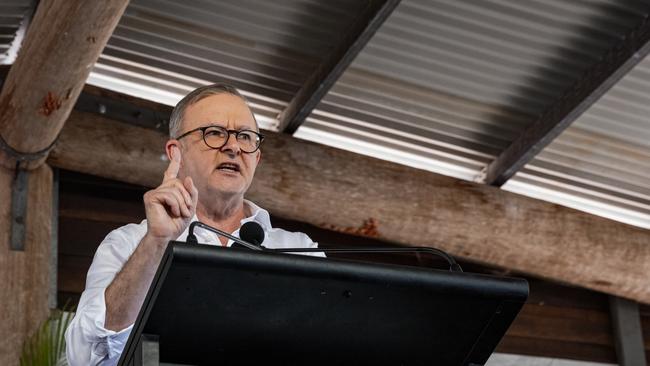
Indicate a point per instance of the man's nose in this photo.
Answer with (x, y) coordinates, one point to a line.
(231, 145)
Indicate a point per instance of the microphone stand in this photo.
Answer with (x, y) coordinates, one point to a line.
(191, 238)
(453, 266)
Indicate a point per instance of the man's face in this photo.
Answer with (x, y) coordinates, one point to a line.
(207, 166)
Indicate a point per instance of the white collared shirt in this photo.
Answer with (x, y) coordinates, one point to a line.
(88, 342)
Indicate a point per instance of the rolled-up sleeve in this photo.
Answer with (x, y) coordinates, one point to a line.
(88, 342)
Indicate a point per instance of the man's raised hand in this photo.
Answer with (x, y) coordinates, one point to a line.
(171, 206)
(169, 209)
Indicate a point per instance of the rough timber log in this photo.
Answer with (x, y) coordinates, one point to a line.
(62, 43)
(24, 275)
(340, 190)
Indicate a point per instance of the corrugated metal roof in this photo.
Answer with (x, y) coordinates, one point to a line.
(12, 14)
(500, 53)
(267, 49)
(602, 162)
(444, 85)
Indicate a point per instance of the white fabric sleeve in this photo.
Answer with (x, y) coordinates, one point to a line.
(87, 341)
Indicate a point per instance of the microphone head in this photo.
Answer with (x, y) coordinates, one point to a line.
(252, 232)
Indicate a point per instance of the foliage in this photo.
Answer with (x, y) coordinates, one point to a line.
(46, 347)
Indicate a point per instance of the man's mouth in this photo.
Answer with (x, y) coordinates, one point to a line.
(229, 167)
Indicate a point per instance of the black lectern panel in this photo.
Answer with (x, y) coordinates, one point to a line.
(212, 305)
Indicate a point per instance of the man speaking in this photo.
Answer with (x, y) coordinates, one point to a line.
(214, 148)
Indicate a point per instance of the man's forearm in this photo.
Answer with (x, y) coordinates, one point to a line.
(125, 295)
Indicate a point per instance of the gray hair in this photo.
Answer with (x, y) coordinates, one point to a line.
(196, 95)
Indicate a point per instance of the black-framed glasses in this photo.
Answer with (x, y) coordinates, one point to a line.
(217, 137)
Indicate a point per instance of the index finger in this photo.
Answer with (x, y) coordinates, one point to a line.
(174, 165)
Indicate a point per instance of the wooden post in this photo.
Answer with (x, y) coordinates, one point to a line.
(61, 45)
(24, 274)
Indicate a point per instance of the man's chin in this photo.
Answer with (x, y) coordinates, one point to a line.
(225, 177)
(224, 190)
(227, 184)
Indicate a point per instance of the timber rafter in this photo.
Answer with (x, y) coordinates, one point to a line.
(328, 187)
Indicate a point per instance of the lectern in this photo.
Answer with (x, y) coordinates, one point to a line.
(209, 305)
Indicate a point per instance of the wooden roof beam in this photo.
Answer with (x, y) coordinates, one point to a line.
(60, 47)
(323, 78)
(593, 84)
(315, 184)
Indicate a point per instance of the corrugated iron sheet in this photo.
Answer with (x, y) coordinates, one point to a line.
(602, 162)
(445, 85)
(12, 14)
(267, 49)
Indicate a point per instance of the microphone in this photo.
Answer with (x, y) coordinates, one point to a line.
(191, 238)
(252, 232)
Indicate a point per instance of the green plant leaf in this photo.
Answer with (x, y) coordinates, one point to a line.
(46, 347)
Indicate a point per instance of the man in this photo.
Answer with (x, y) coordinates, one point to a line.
(213, 152)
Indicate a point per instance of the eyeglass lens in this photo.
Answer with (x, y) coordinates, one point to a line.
(216, 137)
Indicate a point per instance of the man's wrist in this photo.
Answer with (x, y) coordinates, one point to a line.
(156, 241)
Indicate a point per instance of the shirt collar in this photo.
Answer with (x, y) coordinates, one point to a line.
(258, 214)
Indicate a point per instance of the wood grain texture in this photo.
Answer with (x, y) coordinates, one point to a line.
(568, 324)
(99, 146)
(556, 349)
(24, 275)
(328, 187)
(62, 44)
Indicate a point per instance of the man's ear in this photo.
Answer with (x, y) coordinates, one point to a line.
(171, 145)
(259, 157)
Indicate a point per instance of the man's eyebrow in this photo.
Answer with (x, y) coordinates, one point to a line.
(241, 128)
(237, 127)
(245, 127)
